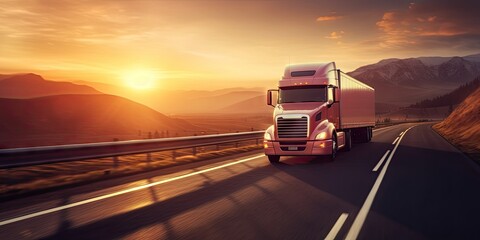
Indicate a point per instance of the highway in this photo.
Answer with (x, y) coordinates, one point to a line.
(423, 189)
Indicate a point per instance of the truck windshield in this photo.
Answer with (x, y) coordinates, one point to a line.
(302, 94)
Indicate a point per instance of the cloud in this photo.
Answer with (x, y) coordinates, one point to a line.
(441, 23)
(335, 35)
(328, 18)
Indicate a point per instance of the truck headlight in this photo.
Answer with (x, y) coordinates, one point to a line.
(321, 136)
(267, 136)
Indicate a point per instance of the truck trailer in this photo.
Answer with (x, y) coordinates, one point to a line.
(318, 110)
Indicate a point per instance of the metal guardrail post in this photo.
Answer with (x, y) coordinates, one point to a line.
(194, 151)
(174, 155)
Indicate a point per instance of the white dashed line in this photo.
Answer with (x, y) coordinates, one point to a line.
(362, 214)
(381, 161)
(338, 225)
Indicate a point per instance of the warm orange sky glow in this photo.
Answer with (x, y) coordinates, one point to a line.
(218, 44)
(140, 79)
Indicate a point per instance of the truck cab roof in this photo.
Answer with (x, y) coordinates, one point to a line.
(309, 74)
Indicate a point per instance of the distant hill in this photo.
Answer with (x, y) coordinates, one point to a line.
(453, 98)
(406, 81)
(462, 127)
(381, 108)
(256, 104)
(183, 101)
(31, 85)
(77, 118)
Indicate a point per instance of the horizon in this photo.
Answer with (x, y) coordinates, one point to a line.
(174, 45)
(240, 86)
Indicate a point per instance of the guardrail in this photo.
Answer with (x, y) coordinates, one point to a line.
(23, 157)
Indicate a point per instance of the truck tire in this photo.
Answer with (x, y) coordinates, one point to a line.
(334, 147)
(364, 135)
(273, 158)
(348, 141)
(370, 134)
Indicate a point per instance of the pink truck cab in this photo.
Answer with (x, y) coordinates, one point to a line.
(318, 111)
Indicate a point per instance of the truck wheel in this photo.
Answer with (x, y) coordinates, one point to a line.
(348, 141)
(364, 135)
(334, 147)
(370, 133)
(273, 158)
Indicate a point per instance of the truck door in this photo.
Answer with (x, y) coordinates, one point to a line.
(333, 111)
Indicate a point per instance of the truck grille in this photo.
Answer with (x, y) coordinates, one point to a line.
(292, 127)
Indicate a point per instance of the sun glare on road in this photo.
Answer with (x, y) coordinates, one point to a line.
(140, 79)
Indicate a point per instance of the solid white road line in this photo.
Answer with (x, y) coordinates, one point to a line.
(381, 161)
(129, 190)
(396, 139)
(336, 228)
(362, 214)
(402, 133)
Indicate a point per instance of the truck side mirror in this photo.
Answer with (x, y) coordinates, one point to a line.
(269, 97)
(330, 96)
(329, 102)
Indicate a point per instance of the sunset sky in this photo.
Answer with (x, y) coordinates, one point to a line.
(217, 44)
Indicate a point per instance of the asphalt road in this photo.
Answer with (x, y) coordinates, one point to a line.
(424, 189)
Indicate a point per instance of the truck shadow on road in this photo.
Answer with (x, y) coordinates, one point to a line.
(162, 212)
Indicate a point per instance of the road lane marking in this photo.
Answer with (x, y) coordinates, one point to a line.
(381, 161)
(337, 226)
(402, 133)
(129, 190)
(396, 139)
(362, 214)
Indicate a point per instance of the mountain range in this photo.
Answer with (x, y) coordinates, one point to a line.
(75, 118)
(405, 81)
(35, 111)
(228, 100)
(453, 98)
(32, 85)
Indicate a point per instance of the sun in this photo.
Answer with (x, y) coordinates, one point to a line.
(140, 79)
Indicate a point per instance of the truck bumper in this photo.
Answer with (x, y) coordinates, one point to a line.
(323, 147)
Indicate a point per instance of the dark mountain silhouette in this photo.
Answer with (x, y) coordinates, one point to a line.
(31, 85)
(453, 98)
(77, 118)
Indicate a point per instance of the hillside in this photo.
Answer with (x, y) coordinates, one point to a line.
(31, 85)
(256, 104)
(65, 119)
(404, 82)
(453, 98)
(462, 127)
(183, 101)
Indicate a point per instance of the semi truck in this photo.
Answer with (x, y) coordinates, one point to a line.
(318, 111)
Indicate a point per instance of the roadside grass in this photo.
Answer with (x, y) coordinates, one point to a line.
(43, 177)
